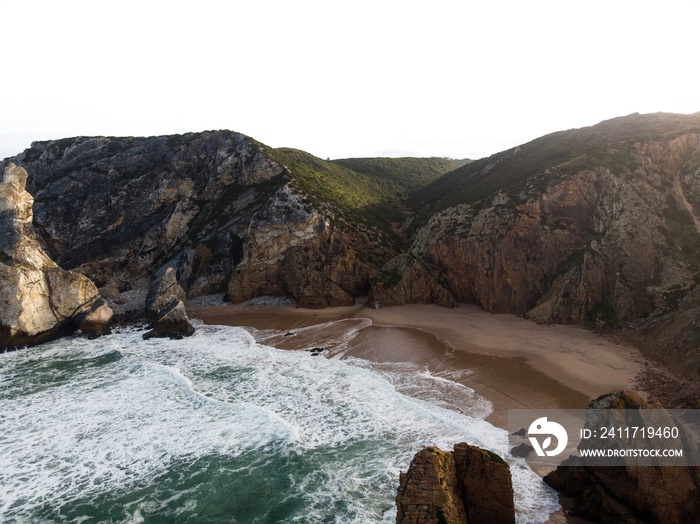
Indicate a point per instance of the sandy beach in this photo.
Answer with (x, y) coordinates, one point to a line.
(512, 362)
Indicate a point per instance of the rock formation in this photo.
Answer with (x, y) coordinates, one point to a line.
(38, 300)
(292, 251)
(165, 307)
(629, 494)
(185, 200)
(220, 207)
(468, 485)
(598, 227)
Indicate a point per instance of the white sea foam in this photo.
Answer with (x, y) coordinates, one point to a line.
(80, 418)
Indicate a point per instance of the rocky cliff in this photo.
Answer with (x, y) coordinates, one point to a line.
(597, 227)
(224, 211)
(117, 210)
(292, 251)
(467, 485)
(38, 300)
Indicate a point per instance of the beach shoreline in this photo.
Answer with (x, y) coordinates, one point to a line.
(513, 362)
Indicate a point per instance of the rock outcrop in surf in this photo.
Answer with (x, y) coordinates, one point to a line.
(468, 484)
(165, 307)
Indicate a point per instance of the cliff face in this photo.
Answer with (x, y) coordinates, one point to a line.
(117, 210)
(608, 236)
(38, 299)
(216, 206)
(598, 226)
(291, 251)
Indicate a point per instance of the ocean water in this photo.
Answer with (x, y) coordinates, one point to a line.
(221, 428)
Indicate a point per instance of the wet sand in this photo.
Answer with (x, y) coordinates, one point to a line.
(513, 362)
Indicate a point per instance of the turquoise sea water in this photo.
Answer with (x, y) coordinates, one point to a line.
(219, 428)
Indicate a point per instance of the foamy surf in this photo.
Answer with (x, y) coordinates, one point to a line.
(218, 427)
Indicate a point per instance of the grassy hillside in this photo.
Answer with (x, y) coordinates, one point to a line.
(608, 143)
(402, 176)
(363, 196)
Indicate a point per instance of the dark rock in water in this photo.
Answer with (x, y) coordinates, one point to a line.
(522, 450)
(486, 485)
(95, 319)
(521, 432)
(163, 289)
(173, 323)
(289, 334)
(467, 485)
(629, 494)
(39, 301)
(165, 307)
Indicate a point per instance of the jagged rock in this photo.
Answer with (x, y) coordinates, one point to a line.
(428, 491)
(165, 307)
(95, 320)
(486, 485)
(163, 290)
(173, 323)
(467, 485)
(38, 300)
(629, 494)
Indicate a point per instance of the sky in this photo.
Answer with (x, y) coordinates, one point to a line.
(460, 79)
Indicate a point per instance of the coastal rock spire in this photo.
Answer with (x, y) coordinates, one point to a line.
(38, 300)
(165, 307)
(468, 484)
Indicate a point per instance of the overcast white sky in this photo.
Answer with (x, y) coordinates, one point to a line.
(339, 78)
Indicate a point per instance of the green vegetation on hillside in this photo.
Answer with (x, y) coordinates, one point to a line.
(362, 196)
(607, 144)
(402, 176)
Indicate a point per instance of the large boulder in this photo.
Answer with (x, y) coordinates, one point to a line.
(468, 485)
(165, 307)
(39, 301)
(629, 494)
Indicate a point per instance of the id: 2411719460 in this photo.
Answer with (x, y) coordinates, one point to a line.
(630, 432)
